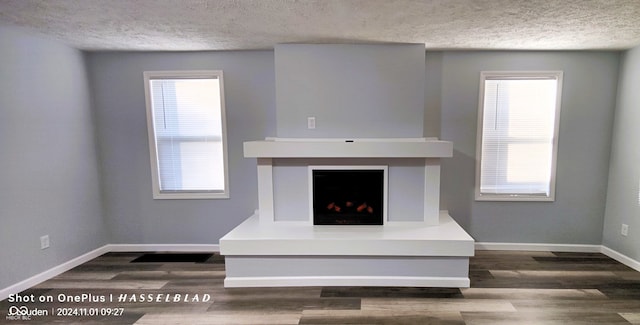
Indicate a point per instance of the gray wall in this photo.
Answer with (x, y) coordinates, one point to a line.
(134, 217)
(588, 99)
(623, 198)
(585, 133)
(433, 94)
(353, 90)
(48, 165)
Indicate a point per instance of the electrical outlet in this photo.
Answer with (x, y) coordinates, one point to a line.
(311, 122)
(624, 230)
(44, 242)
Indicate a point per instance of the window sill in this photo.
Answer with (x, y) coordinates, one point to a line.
(190, 196)
(514, 198)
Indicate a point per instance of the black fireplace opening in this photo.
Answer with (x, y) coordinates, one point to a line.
(348, 197)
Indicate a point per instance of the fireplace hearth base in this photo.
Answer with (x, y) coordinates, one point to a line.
(299, 254)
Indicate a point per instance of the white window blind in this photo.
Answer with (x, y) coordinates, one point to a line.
(187, 134)
(518, 128)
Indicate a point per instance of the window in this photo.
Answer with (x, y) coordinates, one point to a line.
(518, 135)
(187, 134)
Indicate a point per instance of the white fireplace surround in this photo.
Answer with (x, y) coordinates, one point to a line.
(417, 245)
(361, 151)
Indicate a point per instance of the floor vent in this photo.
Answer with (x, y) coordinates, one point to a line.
(172, 258)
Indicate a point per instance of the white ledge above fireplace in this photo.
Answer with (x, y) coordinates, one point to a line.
(348, 148)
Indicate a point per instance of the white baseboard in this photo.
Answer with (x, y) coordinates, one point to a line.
(489, 246)
(626, 260)
(48, 274)
(316, 281)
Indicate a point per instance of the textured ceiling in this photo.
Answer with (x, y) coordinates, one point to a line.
(259, 24)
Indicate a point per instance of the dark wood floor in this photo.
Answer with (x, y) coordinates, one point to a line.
(506, 288)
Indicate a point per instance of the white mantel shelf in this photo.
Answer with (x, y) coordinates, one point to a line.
(348, 148)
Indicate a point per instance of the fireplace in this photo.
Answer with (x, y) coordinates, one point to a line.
(284, 244)
(351, 196)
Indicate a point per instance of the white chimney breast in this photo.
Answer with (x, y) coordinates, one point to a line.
(356, 90)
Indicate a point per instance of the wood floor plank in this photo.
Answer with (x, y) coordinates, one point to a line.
(553, 274)
(219, 319)
(116, 267)
(633, 318)
(265, 293)
(170, 275)
(437, 305)
(580, 254)
(530, 294)
(187, 284)
(564, 279)
(101, 284)
(546, 318)
(525, 254)
(75, 275)
(391, 292)
(572, 306)
(379, 317)
(576, 259)
(628, 275)
(114, 258)
(188, 266)
(534, 265)
(284, 304)
(621, 293)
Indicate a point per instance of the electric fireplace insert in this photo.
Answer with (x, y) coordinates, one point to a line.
(348, 196)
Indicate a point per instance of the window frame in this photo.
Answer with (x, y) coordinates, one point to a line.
(515, 75)
(154, 159)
